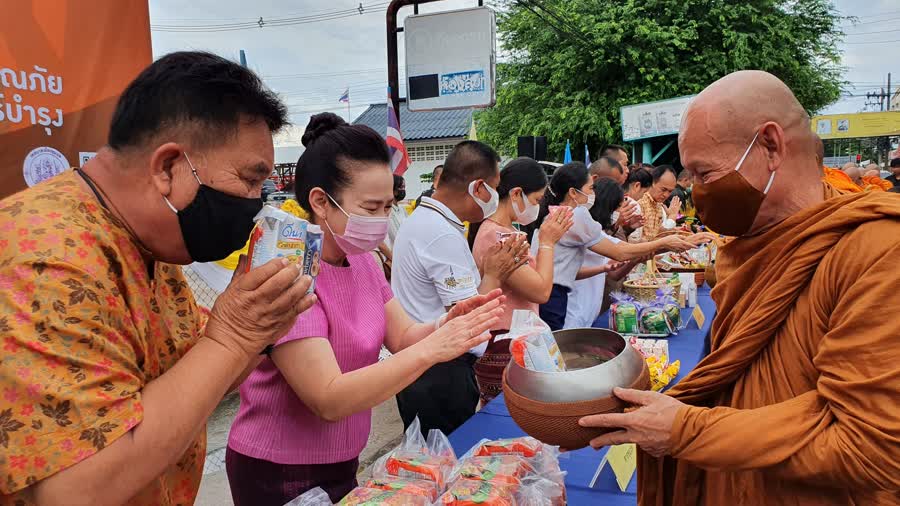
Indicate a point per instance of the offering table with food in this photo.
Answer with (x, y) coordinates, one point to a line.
(494, 421)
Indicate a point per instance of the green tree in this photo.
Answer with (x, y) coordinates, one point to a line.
(569, 65)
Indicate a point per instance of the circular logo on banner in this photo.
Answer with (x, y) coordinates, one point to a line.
(42, 164)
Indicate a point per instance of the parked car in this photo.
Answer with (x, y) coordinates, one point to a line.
(268, 188)
(278, 198)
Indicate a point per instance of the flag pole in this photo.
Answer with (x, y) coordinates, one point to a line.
(348, 104)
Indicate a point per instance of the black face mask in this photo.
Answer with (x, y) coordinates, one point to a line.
(215, 224)
(399, 195)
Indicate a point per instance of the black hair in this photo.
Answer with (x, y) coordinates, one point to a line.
(397, 181)
(206, 94)
(437, 168)
(639, 175)
(568, 176)
(524, 173)
(609, 197)
(610, 150)
(659, 171)
(467, 162)
(895, 162)
(895, 189)
(684, 174)
(330, 142)
(606, 161)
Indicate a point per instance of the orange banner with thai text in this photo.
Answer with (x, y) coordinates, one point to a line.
(63, 65)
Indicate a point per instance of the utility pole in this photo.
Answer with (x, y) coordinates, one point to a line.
(889, 92)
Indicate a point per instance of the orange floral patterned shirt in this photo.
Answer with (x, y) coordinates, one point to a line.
(83, 329)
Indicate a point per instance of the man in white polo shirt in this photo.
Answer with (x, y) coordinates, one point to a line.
(434, 269)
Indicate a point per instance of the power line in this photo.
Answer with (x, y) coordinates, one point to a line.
(874, 22)
(262, 22)
(248, 18)
(875, 42)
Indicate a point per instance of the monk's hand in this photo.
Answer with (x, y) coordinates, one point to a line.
(649, 426)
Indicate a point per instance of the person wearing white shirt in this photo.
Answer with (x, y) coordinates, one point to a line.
(433, 269)
(586, 297)
(572, 186)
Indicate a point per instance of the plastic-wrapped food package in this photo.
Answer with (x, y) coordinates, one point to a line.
(314, 497)
(423, 488)
(509, 469)
(521, 446)
(533, 346)
(278, 234)
(372, 496)
(623, 314)
(478, 493)
(416, 457)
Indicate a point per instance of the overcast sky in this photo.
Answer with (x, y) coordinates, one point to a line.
(312, 63)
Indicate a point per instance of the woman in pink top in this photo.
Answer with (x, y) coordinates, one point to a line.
(305, 411)
(521, 189)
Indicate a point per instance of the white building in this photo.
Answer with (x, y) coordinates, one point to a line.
(429, 137)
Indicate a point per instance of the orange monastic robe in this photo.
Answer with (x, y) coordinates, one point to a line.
(875, 183)
(838, 179)
(798, 402)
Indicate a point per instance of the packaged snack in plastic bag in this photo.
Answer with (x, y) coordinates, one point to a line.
(418, 458)
(314, 497)
(533, 345)
(424, 488)
(478, 493)
(623, 314)
(662, 316)
(509, 469)
(521, 446)
(371, 497)
(541, 491)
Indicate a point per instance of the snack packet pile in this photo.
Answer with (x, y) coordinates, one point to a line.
(533, 346)
(362, 496)
(278, 234)
(656, 353)
(423, 488)
(418, 458)
(515, 472)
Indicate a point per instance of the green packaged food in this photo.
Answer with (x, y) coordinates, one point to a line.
(655, 321)
(625, 317)
(674, 314)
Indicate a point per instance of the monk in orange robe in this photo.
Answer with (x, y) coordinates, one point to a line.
(797, 402)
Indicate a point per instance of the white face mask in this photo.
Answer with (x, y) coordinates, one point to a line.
(590, 200)
(614, 217)
(487, 208)
(528, 214)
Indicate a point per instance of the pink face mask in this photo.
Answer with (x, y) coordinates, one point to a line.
(362, 234)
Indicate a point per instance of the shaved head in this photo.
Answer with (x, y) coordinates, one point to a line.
(853, 172)
(754, 112)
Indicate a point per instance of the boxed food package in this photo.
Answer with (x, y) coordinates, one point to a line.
(278, 234)
(533, 345)
(418, 458)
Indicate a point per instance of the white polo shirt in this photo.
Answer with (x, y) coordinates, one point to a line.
(568, 254)
(433, 268)
(586, 297)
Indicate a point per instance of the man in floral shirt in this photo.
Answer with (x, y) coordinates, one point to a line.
(108, 370)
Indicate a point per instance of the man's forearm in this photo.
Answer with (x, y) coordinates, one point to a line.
(175, 409)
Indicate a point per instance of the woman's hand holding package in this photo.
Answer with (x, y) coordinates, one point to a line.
(463, 332)
(556, 225)
(259, 306)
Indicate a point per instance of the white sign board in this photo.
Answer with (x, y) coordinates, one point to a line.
(451, 59)
(653, 119)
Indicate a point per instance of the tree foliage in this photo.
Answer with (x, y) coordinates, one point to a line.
(569, 65)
